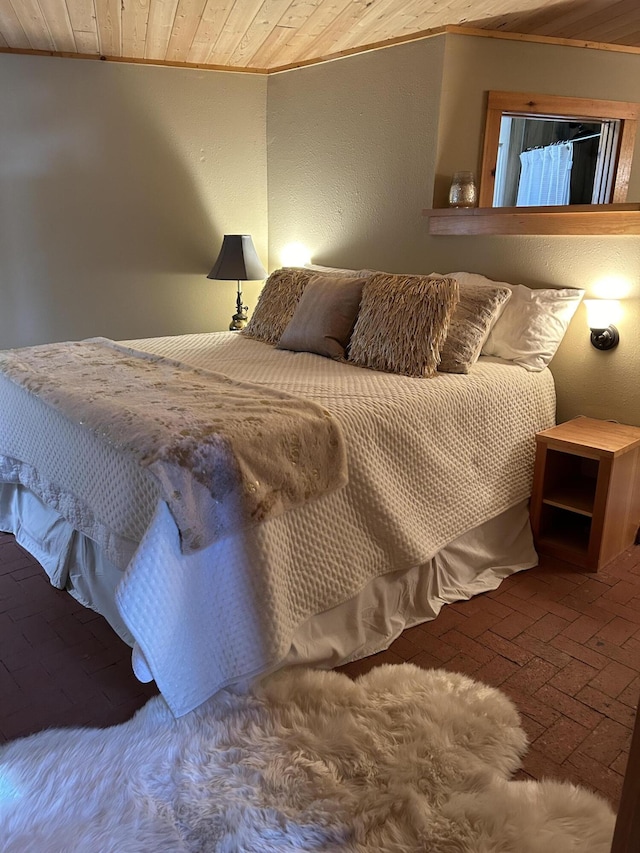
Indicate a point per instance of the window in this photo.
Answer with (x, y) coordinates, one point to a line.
(545, 150)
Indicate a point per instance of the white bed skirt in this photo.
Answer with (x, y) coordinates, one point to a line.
(368, 622)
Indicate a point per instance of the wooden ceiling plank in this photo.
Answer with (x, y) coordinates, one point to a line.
(379, 45)
(613, 25)
(482, 14)
(188, 17)
(406, 19)
(601, 25)
(84, 25)
(540, 39)
(109, 27)
(82, 15)
(299, 12)
(267, 55)
(576, 26)
(135, 20)
(34, 24)
(341, 26)
(499, 15)
(211, 22)
(258, 31)
(159, 27)
(547, 22)
(58, 21)
(239, 19)
(87, 42)
(299, 17)
(634, 37)
(11, 28)
(374, 24)
(320, 17)
(619, 34)
(290, 28)
(297, 47)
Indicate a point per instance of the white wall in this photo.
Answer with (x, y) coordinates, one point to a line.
(117, 183)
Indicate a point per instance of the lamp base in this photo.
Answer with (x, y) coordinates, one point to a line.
(605, 338)
(239, 319)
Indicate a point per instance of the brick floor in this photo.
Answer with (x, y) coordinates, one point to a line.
(60, 664)
(564, 645)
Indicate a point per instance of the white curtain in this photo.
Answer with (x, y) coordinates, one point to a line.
(545, 175)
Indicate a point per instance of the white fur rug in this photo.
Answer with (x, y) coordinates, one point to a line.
(402, 760)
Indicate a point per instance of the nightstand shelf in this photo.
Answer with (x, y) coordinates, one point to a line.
(585, 503)
(570, 496)
(564, 534)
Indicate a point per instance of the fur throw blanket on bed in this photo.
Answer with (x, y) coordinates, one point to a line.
(227, 453)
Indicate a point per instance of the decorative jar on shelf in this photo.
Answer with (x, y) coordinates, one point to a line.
(463, 192)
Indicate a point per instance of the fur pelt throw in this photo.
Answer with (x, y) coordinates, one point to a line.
(401, 760)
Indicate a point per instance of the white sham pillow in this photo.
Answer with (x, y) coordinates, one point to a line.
(336, 270)
(532, 325)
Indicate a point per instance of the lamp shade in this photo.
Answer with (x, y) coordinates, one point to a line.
(238, 260)
(602, 312)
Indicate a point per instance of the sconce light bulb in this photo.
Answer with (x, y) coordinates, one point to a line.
(295, 255)
(602, 312)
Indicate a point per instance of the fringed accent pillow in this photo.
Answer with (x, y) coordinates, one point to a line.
(479, 307)
(403, 323)
(324, 319)
(276, 304)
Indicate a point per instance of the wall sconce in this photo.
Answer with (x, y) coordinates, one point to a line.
(601, 315)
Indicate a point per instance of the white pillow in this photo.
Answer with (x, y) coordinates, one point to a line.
(338, 270)
(532, 324)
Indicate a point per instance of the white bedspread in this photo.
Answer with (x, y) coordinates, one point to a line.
(428, 460)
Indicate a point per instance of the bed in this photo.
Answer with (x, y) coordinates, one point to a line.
(434, 510)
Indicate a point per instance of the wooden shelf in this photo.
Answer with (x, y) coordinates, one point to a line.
(570, 543)
(571, 496)
(575, 219)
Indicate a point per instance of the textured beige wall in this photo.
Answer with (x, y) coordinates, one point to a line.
(588, 382)
(473, 66)
(355, 148)
(117, 183)
(350, 151)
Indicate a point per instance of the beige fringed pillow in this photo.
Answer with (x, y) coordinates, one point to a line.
(276, 304)
(479, 307)
(402, 323)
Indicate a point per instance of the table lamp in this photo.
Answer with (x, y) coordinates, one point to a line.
(238, 261)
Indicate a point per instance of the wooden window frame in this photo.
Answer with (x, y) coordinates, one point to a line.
(563, 108)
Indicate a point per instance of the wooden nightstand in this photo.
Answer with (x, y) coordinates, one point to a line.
(585, 503)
